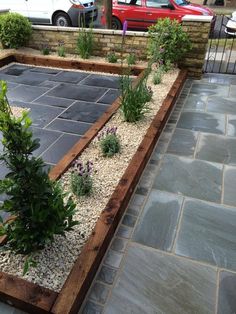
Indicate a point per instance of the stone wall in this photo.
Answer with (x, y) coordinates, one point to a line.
(106, 41)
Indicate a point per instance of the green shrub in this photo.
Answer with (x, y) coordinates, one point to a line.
(85, 42)
(36, 202)
(46, 50)
(15, 30)
(109, 142)
(112, 57)
(81, 180)
(131, 59)
(134, 99)
(167, 41)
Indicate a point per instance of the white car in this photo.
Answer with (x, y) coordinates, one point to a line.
(231, 25)
(56, 12)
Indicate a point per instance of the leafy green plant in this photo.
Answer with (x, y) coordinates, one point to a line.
(112, 57)
(38, 204)
(81, 180)
(109, 142)
(45, 50)
(167, 41)
(61, 50)
(85, 42)
(157, 76)
(131, 59)
(15, 30)
(134, 99)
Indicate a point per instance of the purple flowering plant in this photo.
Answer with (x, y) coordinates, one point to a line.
(109, 142)
(81, 180)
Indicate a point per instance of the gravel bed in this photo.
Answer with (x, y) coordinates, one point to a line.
(56, 260)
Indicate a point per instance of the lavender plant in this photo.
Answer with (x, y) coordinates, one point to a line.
(109, 142)
(81, 180)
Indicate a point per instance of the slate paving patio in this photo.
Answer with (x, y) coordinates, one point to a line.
(174, 252)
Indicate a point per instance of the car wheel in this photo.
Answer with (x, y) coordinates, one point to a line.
(62, 19)
(115, 23)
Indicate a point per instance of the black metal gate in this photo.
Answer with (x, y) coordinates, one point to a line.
(221, 53)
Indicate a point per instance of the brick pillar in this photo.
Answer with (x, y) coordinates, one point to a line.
(198, 28)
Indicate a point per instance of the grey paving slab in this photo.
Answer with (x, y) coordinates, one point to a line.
(124, 232)
(92, 308)
(99, 293)
(221, 105)
(110, 96)
(229, 196)
(232, 91)
(207, 233)
(113, 259)
(227, 290)
(204, 89)
(135, 204)
(157, 224)
(15, 69)
(195, 103)
(194, 178)
(109, 81)
(205, 122)
(45, 70)
(26, 93)
(84, 112)
(54, 101)
(55, 152)
(107, 275)
(220, 79)
(78, 92)
(49, 84)
(69, 126)
(155, 283)
(32, 79)
(69, 77)
(46, 138)
(217, 148)
(119, 245)
(129, 220)
(183, 143)
(7, 309)
(231, 125)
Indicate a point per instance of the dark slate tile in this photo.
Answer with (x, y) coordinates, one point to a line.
(229, 196)
(69, 126)
(196, 103)
(60, 148)
(78, 92)
(48, 84)
(109, 97)
(32, 79)
(231, 125)
(205, 122)
(148, 176)
(41, 115)
(119, 245)
(108, 81)
(8, 78)
(157, 224)
(154, 282)
(204, 89)
(45, 70)
(92, 308)
(129, 220)
(124, 232)
(207, 233)
(136, 204)
(47, 138)
(162, 143)
(54, 101)
(107, 275)
(11, 85)
(69, 77)
(217, 148)
(227, 290)
(113, 259)
(15, 69)
(183, 143)
(221, 105)
(194, 178)
(99, 293)
(84, 112)
(26, 93)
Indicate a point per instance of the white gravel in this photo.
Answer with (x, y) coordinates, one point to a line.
(56, 260)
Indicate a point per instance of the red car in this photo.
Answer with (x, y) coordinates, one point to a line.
(140, 14)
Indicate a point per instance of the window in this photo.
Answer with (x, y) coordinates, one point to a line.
(157, 3)
(130, 2)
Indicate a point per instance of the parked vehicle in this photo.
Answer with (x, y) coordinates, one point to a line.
(230, 29)
(140, 14)
(56, 12)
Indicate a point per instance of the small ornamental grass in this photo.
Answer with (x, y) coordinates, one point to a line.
(45, 50)
(157, 76)
(85, 42)
(112, 57)
(61, 50)
(131, 59)
(109, 142)
(38, 204)
(81, 180)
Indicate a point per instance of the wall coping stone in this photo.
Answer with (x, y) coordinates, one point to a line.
(197, 18)
(96, 31)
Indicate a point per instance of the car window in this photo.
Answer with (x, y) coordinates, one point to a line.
(156, 3)
(130, 2)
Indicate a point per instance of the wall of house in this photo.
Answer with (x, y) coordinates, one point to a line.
(107, 41)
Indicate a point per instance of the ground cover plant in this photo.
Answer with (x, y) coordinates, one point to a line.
(37, 203)
(81, 180)
(15, 30)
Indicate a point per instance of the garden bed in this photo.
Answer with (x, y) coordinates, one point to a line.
(30, 296)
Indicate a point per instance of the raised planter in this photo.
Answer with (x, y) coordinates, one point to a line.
(35, 299)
